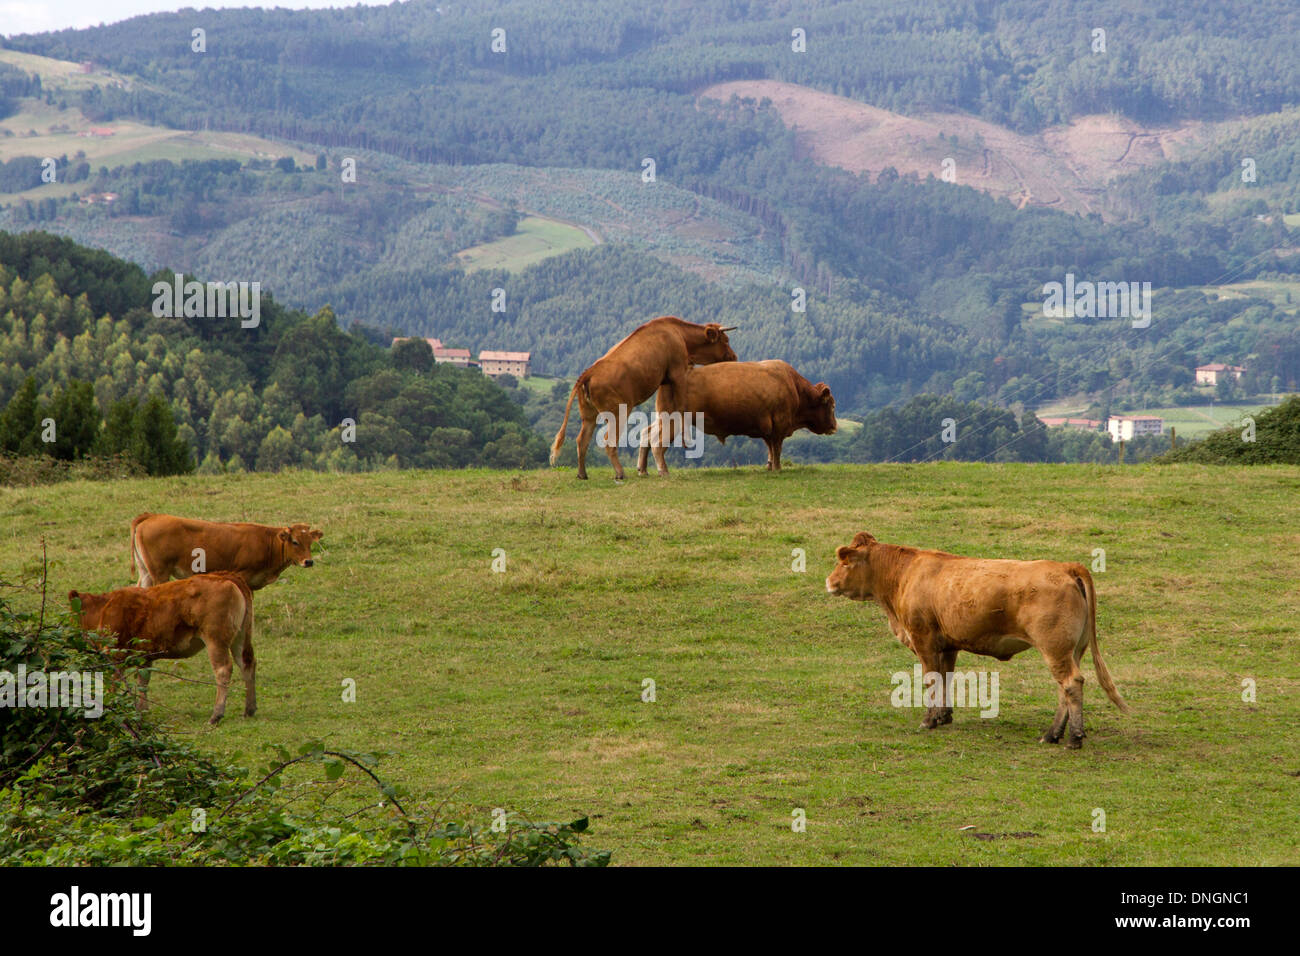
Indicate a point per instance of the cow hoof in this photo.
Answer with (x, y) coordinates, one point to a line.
(251, 713)
(1049, 739)
(1075, 743)
(946, 718)
(929, 723)
(214, 720)
(582, 477)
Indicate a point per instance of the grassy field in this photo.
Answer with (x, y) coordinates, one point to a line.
(537, 238)
(1284, 295)
(1196, 421)
(522, 689)
(66, 133)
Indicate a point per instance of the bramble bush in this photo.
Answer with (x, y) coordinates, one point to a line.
(121, 789)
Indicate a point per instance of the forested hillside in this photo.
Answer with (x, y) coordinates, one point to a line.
(463, 118)
(80, 345)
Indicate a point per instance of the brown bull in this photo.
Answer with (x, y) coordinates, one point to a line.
(176, 620)
(767, 400)
(939, 604)
(655, 354)
(165, 547)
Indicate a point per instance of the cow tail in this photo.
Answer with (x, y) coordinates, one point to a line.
(564, 425)
(1103, 675)
(134, 523)
(247, 626)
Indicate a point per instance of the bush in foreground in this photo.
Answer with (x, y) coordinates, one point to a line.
(119, 789)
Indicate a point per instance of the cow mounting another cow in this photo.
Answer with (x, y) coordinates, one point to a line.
(655, 356)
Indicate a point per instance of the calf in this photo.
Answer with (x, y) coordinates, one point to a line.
(939, 604)
(767, 400)
(177, 619)
(165, 547)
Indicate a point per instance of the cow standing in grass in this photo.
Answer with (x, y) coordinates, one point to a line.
(767, 400)
(654, 357)
(939, 604)
(165, 547)
(177, 620)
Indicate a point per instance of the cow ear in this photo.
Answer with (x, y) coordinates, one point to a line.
(315, 534)
(843, 554)
(73, 595)
(711, 332)
(283, 534)
(823, 391)
(862, 538)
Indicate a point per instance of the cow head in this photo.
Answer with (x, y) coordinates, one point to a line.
(297, 540)
(91, 608)
(710, 347)
(852, 577)
(819, 410)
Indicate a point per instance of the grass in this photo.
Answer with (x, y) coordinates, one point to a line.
(536, 238)
(522, 689)
(60, 133)
(1281, 293)
(61, 76)
(1196, 421)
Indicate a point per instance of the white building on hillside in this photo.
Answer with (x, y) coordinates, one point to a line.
(1128, 427)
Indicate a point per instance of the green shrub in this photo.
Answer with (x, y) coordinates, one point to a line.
(120, 789)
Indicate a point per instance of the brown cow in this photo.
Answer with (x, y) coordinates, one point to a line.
(939, 604)
(165, 547)
(175, 620)
(655, 354)
(767, 400)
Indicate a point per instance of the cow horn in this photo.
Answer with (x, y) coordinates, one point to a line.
(730, 328)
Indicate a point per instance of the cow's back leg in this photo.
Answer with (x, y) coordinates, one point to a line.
(219, 656)
(1069, 708)
(611, 449)
(774, 453)
(660, 441)
(241, 652)
(248, 665)
(1053, 733)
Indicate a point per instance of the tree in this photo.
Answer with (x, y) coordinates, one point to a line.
(277, 450)
(76, 420)
(20, 423)
(155, 443)
(413, 355)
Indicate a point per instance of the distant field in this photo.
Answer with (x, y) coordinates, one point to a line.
(1284, 295)
(522, 690)
(541, 384)
(1194, 421)
(67, 133)
(700, 235)
(61, 75)
(537, 238)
